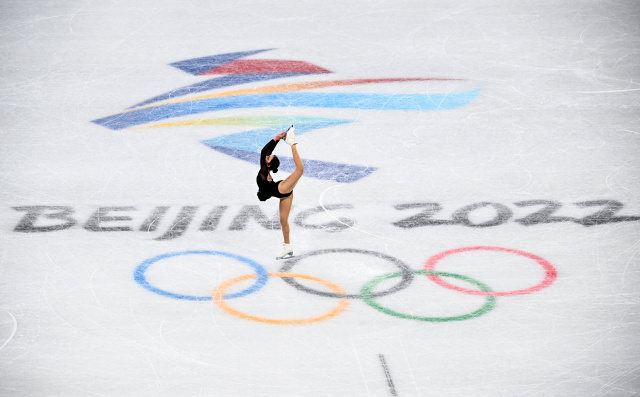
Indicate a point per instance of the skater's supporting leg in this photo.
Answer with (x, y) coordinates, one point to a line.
(285, 209)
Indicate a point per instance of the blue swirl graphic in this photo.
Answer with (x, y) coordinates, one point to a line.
(296, 99)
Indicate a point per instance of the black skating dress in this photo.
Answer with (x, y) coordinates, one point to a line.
(267, 188)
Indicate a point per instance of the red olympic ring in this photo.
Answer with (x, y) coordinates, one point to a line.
(550, 271)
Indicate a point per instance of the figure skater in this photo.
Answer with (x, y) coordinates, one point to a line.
(283, 190)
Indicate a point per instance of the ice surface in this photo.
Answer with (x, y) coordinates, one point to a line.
(515, 168)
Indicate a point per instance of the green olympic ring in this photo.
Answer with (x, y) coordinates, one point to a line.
(368, 298)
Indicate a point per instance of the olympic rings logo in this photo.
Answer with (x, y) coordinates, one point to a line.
(405, 275)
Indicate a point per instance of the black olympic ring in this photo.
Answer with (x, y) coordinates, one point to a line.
(407, 273)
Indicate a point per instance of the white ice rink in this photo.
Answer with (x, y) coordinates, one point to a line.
(467, 225)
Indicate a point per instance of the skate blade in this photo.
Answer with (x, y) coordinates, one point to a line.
(285, 257)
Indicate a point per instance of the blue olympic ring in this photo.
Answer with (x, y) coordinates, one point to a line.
(142, 280)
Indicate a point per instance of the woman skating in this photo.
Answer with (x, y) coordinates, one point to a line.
(282, 190)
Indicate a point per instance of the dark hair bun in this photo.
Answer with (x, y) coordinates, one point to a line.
(274, 164)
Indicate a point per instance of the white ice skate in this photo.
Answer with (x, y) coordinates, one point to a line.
(286, 253)
(290, 138)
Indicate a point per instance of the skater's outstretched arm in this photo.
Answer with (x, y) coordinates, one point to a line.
(266, 151)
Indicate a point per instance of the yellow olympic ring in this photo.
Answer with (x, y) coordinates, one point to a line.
(218, 298)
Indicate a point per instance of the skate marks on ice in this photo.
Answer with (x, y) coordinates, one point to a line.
(13, 325)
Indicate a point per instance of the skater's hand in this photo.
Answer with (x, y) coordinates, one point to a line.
(280, 136)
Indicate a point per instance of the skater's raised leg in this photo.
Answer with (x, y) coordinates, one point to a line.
(288, 184)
